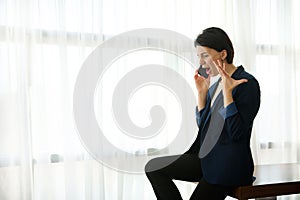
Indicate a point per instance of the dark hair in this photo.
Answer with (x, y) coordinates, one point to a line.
(216, 39)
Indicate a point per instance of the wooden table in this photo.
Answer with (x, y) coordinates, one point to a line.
(271, 181)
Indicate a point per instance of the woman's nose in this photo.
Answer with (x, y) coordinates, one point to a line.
(201, 61)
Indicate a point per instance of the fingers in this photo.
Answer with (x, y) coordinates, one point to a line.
(220, 67)
(196, 75)
(224, 65)
(242, 81)
(238, 82)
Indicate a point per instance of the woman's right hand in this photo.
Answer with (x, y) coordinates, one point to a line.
(202, 85)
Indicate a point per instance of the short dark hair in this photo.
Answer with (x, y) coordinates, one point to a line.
(216, 39)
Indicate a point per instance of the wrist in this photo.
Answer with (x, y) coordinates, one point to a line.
(228, 98)
(201, 101)
(202, 96)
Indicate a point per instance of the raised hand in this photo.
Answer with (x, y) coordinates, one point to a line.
(228, 82)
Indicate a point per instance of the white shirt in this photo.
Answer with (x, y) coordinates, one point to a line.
(213, 80)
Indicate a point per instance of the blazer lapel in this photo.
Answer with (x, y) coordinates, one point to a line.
(209, 109)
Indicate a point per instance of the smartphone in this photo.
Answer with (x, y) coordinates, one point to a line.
(202, 72)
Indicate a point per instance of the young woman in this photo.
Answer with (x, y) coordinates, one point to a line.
(228, 101)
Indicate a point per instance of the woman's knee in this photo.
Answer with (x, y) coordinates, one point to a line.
(160, 163)
(151, 165)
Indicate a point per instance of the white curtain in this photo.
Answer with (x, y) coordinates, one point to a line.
(277, 68)
(43, 45)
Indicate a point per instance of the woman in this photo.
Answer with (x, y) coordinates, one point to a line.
(228, 101)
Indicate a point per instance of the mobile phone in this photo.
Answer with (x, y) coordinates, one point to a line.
(202, 72)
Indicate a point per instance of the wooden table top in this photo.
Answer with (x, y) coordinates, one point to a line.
(271, 181)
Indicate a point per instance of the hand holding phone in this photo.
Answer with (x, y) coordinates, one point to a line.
(202, 72)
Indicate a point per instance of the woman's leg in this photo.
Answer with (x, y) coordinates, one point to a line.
(161, 172)
(205, 190)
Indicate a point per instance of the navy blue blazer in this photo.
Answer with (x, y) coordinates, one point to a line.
(229, 160)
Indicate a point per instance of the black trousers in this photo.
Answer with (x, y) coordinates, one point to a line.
(187, 167)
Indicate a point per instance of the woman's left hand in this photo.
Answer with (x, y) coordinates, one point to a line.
(228, 83)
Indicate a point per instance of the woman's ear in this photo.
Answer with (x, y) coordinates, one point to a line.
(223, 54)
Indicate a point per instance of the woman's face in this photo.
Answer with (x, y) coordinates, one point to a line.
(206, 57)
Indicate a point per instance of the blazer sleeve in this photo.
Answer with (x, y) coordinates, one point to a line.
(199, 116)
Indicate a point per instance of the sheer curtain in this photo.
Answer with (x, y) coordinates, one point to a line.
(43, 44)
(278, 71)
